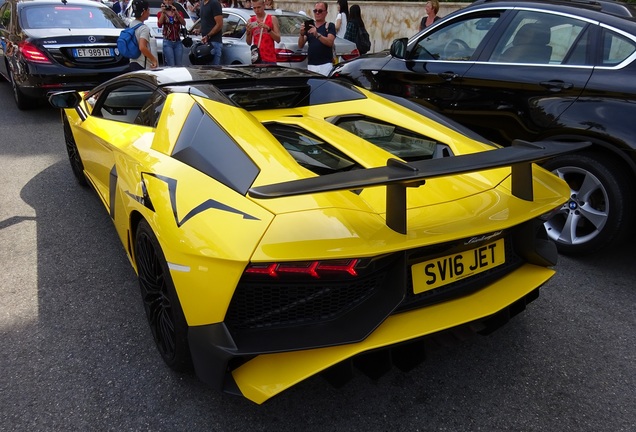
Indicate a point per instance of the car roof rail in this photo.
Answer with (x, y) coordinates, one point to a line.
(612, 7)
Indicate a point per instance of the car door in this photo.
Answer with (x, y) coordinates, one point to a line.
(119, 115)
(5, 41)
(436, 61)
(235, 49)
(531, 71)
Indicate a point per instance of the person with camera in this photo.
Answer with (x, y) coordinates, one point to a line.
(170, 21)
(320, 37)
(262, 32)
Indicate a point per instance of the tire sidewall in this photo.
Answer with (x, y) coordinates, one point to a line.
(181, 360)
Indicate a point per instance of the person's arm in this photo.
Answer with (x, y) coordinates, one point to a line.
(218, 26)
(274, 32)
(302, 37)
(338, 22)
(325, 40)
(248, 32)
(144, 47)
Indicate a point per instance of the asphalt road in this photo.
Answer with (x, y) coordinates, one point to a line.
(77, 354)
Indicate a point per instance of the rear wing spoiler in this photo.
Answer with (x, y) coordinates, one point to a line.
(398, 175)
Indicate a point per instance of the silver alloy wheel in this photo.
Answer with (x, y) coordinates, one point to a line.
(584, 215)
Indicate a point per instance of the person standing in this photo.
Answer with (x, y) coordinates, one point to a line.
(432, 8)
(342, 18)
(263, 31)
(355, 23)
(169, 20)
(140, 13)
(320, 38)
(211, 15)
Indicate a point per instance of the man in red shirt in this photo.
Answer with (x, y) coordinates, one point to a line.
(262, 32)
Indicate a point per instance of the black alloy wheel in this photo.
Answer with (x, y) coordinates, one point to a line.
(163, 310)
(73, 154)
(598, 211)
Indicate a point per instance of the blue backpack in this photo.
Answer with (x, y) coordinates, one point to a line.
(127, 43)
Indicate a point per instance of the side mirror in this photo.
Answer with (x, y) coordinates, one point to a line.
(65, 99)
(398, 48)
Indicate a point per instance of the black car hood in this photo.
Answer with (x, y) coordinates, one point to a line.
(375, 61)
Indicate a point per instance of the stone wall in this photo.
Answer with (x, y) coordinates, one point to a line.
(384, 21)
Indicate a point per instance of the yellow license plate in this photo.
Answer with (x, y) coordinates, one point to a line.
(441, 271)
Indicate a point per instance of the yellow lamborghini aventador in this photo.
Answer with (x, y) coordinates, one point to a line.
(283, 224)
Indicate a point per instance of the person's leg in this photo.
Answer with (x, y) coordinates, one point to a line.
(168, 52)
(218, 47)
(178, 53)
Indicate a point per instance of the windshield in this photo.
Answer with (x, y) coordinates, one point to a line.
(48, 16)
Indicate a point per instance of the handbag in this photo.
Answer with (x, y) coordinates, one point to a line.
(187, 40)
(363, 41)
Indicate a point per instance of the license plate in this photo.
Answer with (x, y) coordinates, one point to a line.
(93, 52)
(441, 271)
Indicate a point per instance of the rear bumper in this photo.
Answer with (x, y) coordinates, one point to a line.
(260, 377)
(38, 81)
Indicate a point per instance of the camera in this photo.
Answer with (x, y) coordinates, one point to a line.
(309, 23)
(167, 7)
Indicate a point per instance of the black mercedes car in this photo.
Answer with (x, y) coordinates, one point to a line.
(52, 45)
(534, 70)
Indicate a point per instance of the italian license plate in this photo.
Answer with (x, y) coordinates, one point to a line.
(93, 52)
(441, 271)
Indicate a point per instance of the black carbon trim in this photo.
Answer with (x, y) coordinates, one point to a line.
(208, 204)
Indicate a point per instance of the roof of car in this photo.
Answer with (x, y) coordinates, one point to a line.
(249, 12)
(61, 2)
(197, 74)
(613, 7)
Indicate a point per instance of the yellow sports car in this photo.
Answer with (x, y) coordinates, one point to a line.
(283, 224)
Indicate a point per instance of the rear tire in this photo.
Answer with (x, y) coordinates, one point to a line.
(163, 310)
(600, 207)
(23, 102)
(74, 157)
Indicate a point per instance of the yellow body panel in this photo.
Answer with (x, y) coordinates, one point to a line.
(267, 375)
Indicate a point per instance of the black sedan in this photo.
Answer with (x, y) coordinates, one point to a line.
(534, 70)
(49, 45)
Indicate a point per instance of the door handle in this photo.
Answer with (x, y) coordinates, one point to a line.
(556, 85)
(448, 76)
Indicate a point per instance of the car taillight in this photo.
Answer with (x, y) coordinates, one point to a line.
(314, 269)
(285, 55)
(32, 53)
(353, 54)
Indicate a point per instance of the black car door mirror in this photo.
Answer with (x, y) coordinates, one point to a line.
(398, 48)
(65, 99)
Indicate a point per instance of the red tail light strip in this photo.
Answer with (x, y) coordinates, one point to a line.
(312, 268)
(32, 53)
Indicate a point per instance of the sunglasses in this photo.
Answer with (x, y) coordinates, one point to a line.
(319, 10)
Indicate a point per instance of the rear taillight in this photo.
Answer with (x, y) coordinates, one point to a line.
(32, 54)
(285, 55)
(353, 54)
(314, 269)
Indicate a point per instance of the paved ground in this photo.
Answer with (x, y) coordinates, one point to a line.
(76, 352)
